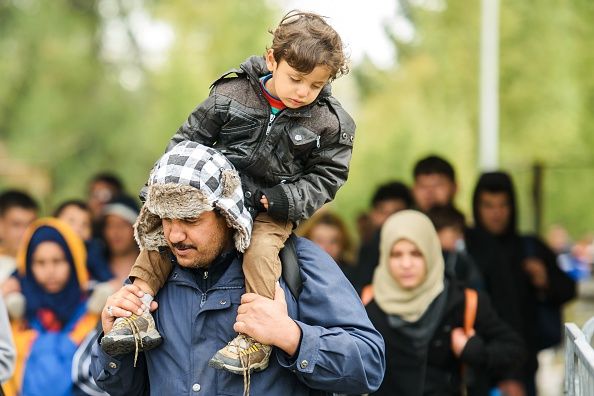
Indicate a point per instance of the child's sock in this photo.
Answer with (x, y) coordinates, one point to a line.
(146, 300)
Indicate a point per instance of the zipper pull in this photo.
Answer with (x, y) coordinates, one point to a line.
(318, 141)
(205, 275)
(272, 117)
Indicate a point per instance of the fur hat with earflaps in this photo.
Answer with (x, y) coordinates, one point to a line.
(187, 181)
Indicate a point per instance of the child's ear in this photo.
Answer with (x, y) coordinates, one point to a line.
(270, 61)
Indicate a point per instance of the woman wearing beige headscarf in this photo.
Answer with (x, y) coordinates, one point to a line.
(419, 310)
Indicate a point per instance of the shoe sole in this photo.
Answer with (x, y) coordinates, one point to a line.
(122, 345)
(217, 364)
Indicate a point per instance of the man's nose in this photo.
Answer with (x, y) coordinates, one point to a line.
(177, 233)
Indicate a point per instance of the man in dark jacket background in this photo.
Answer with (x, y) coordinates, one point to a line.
(520, 272)
(324, 342)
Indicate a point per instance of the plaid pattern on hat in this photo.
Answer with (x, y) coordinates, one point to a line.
(185, 182)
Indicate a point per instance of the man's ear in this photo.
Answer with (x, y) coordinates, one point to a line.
(270, 61)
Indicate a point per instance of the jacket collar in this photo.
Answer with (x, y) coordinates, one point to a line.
(231, 277)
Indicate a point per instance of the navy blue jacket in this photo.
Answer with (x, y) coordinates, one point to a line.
(340, 350)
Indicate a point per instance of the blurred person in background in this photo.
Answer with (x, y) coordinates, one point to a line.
(521, 275)
(103, 187)
(329, 231)
(7, 351)
(577, 261)
(119, 216)
(558, 239)
(434, 183)
(420, 309)
(450, 224)
(365, 230)
(77, 215)
(17, 211)
(388, 199)
(52, 269)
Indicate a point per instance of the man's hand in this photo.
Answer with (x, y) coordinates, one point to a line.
(124, 302)
(537, 272)
(268, 321)
(459, 340)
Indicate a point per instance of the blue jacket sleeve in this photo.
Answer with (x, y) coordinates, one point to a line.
(117, 375)
(340, 350)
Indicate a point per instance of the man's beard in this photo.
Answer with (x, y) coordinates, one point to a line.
(208, 253)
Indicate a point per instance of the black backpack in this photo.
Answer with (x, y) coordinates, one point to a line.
(290, 266)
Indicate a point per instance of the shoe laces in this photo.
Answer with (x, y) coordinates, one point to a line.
(137, 338)
(244, 360)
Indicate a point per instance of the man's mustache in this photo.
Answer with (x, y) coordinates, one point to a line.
(182, 246)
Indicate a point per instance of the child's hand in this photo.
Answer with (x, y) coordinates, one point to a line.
(264, 201)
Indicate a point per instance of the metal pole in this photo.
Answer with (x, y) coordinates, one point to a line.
(489, 86)
(537, 195)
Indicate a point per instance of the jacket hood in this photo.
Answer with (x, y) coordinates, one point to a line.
(255, 67)
(495, 182)
(187, 181)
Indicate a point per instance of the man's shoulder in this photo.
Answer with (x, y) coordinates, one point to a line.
(306, 248)
(313, 259)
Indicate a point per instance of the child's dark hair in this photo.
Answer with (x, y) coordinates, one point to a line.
(434, 164)
(82, 205)
(16, 199)
(304, 40)
(446, 216)
(394, 190)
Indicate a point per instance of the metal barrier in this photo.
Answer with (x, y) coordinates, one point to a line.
(579, 359)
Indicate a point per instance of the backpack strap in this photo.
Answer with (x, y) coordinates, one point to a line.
(290, 266)
(470, 306)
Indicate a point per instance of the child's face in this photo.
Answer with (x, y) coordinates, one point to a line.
(294, 88)
(78, 219)
(50, 267)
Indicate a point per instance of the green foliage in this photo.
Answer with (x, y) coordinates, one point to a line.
(63, 109)
(429, 104)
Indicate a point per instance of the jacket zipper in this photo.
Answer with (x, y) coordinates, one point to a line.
(269, 127)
